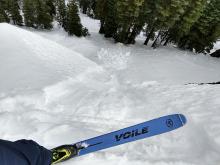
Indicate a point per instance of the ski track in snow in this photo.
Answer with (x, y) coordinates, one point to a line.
(88, 111)
(138, 85)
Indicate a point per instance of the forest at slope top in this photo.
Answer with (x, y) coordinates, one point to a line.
(190, 24)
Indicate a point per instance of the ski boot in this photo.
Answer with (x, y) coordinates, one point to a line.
(65, 152)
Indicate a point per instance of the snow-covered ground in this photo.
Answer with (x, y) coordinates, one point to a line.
(57, 89)
(216, 46)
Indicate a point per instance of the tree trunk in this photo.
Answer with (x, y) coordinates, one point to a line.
(102, 28)
(167, 40)
(134, 33)
(84, 9)
(154, 45)
(149, 36)
(164, 37)
(122, 36)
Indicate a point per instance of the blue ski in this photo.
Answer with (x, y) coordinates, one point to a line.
(130, 134)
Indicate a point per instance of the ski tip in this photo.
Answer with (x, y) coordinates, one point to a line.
(182, 119)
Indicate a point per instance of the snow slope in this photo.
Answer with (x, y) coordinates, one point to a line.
(119, 86)
(138, 63)
(33, 62)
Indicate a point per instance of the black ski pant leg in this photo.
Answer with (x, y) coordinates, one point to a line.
(23, 152)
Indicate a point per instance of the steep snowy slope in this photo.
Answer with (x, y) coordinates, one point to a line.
(30, 61)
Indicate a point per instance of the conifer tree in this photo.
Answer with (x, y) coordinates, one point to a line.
(2, 18)
(13, 9)
(51, 7)
(74, 26)
(169, 12)
(43, 18)
(160, 16)
(139, 23)
(100, 11)
(127, 12)
(183, 25)
(61, 13)
(29, 13)
(37, 14)
(205, 31)
(110, 26)
(3, 15)
(92, 8)
(106, 12)
(84, 5)
(88, 7)
(151, 17)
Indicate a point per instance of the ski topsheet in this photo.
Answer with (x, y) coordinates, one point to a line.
(133, 133)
